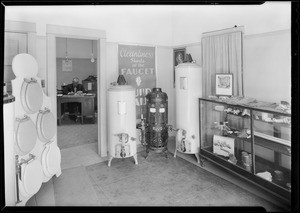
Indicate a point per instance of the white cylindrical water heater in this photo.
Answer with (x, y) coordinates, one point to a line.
(9, 153)
(121, 122)
(188, 84)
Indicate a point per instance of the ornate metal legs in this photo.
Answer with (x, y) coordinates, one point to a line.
(147, 152)
(109, 161)
(198, 158)
(202, 160)
(135, 159)
(166, 153)
(175, 152)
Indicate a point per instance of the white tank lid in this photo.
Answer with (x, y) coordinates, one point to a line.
(121, 88)
(184, 65)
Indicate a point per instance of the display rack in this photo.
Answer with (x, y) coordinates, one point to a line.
(251, 140)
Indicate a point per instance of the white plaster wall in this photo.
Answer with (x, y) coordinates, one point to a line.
(267, 66)
(129, 24)
(81, 68)
(111, 63)
(164, 78)
(189, 22)
(41, 58)
(76, 48)
(195, 51)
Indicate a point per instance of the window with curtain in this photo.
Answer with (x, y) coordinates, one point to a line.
(222, 52)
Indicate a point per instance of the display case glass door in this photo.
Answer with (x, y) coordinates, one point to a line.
(226, 133)
(272, 133)
(252, 142)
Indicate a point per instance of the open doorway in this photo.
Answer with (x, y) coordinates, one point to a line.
(76, 59)
(53, 33)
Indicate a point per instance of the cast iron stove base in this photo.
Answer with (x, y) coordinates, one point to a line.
(162, 150)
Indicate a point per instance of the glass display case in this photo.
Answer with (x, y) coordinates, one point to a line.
(250, 138)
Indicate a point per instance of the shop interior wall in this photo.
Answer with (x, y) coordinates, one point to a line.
(266, 62)
(267, 72)
(79, 50)
(81, 68)
(41, 57)
(164, 72)
(267, 66)
(191, 21)
(164, 77)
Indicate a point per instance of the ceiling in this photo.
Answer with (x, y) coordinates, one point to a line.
(167, 25)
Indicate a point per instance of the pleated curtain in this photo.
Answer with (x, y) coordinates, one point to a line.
(221, 53)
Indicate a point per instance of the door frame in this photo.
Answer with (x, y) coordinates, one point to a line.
(54, 31)
(27, 28)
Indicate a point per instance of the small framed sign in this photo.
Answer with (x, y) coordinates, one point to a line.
(67, 65)
(223, 145)
(224, 84)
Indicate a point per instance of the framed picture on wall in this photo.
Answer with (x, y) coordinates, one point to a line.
(224, 84)
(179, 57)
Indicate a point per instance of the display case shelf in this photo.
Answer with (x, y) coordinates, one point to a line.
(274, 123)
(263, 155)
(270, 144)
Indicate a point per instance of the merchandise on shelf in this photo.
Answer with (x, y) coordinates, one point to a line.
(251, 138)
(265, 175)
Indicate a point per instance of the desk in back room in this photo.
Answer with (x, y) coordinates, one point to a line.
(86, 101)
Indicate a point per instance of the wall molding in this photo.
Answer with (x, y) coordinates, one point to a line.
(272, 33)
(139, 44)
(75, 32)
(20, 26)
(256, 35)
(187, 45)
(23, 27)
(224, 31)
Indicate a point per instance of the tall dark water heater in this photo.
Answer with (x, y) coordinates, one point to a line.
(157, 121)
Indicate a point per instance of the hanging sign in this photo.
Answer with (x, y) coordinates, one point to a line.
(67, 65)
(137, 64)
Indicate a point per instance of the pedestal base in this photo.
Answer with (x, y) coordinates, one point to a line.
(197, 156)
(134, 157)
(163, 150)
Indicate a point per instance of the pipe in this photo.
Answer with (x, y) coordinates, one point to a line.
(123, 138)
(18, 174)
(142, 127)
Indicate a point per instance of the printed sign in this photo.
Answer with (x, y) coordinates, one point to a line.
(223, 145)
(67, 65)
(137, 64)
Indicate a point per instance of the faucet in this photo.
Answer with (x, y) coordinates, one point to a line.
(142, 126)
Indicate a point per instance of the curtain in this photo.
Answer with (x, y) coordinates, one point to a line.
(222, 53)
